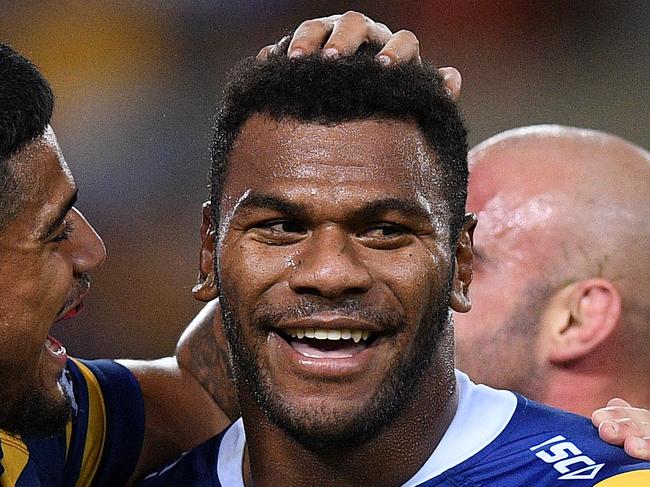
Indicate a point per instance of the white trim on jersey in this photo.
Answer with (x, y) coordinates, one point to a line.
(231, 456)
(482, 415)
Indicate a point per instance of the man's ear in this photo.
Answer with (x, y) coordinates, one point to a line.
(206, 287)
(452, 80)
(460, 300)
(580, 317)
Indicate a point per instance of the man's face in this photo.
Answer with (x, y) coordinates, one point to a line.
(334, 270)
(45, 253)
(496, 342)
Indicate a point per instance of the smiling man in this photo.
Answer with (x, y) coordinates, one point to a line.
(47, 250)
(64, 421)
(338, 245)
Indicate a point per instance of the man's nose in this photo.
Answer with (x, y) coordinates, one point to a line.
(88, 250)
(329, 266)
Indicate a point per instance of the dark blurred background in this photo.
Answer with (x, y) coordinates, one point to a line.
(136, 83)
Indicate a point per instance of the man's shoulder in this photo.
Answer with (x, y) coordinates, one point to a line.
(198, 467)
(546, 446)
(101, 442)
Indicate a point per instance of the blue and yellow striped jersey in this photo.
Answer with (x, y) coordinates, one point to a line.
(101, 443)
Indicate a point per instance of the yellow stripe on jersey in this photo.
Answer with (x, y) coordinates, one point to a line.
(637, 478)
(14, 459)
(68, 437)
(96, 433)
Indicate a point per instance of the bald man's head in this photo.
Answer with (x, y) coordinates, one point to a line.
(562, 273)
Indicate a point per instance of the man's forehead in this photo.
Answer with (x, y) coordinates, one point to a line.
(44, 178)
(349, 151)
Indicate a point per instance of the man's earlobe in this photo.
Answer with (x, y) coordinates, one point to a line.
(206, 287)
(460, 300)
(580, 318)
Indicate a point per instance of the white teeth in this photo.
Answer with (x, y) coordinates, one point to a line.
(329, 334)
(321, 334)
(333, 334)
(357, 335)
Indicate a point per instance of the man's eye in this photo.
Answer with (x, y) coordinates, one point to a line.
(385, 231)
(280, 232)
(65, 232)
(385, 236)
(285, 226)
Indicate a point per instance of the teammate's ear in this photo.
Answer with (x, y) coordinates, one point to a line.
(206, 287)
(452, 80)
(460, 300)
(581, 317)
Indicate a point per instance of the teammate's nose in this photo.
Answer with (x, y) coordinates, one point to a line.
(89, 251)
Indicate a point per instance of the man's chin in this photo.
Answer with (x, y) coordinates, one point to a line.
(37, 412)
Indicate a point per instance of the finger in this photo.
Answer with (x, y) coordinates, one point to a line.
(452, 81)
(617, 431)
(402, 47)
(638, 447)
(610, 433)
(310, 36)
(617, 401)
(350, 31)
(264, 53)
(281, 46)
(613, 413)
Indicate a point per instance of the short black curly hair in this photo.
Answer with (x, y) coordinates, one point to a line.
(355, 87)
(26, 104)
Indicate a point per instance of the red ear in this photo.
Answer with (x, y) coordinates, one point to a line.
(206, 287)
(592, 314)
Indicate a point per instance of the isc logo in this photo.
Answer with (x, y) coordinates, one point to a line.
(567, 459)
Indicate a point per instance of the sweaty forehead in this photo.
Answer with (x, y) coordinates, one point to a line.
(351, 151)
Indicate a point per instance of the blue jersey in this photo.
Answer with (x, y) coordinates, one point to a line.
(100, 445)
(497, 438)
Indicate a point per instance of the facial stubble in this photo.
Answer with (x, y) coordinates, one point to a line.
(326, 425)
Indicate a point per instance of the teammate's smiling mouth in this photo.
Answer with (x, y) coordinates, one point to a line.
(328, 343)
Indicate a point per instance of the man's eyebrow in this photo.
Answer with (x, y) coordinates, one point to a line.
(269, 202)
(369, 211)
(59, 217)
(378, 208)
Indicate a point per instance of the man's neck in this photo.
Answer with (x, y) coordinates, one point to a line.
(391, 457)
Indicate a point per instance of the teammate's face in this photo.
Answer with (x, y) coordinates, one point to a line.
(334, 270)
(45, 253)
(497, 342)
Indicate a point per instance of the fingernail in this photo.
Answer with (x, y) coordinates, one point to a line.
(611, 426)
(296, 53)
(330, 53)
(383, 59)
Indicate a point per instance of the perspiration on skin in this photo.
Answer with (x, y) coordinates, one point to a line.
(396, 258)
(38, 246)
(559, 208)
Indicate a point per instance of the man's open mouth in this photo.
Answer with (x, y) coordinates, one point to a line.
(328, 342)
(70, 312)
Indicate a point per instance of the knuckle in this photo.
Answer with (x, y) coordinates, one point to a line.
(383, 27)
(354, 16)
(309, 25)
(408, 36)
